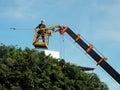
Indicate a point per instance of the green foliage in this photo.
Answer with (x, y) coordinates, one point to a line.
(31, 70)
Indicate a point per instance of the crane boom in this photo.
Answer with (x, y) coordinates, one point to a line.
(89, 49)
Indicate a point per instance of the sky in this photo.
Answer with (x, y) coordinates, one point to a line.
(98, 21)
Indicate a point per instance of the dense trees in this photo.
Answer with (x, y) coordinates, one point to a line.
(29, 69)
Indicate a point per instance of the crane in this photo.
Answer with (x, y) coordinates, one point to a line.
(89, 49)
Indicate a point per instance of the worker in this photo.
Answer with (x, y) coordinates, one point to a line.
(42, 25)
(39, 31)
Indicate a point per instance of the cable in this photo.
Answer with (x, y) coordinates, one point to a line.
(63, 47)
(94, 46)
(85, 39)
(92, 59)
(82, 50)
(109, 77)
(60, 46)
(94, 62)
(62, 51)
(98, 51)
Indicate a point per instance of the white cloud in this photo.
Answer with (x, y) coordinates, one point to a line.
(19, 9)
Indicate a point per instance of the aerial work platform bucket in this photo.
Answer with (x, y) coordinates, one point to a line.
(40, 40)
(40, 45)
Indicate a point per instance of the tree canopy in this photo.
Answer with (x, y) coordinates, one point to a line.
(30, 69)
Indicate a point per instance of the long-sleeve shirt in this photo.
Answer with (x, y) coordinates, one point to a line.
(41, 26)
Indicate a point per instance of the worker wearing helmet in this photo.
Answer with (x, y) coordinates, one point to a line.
(41, 32)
